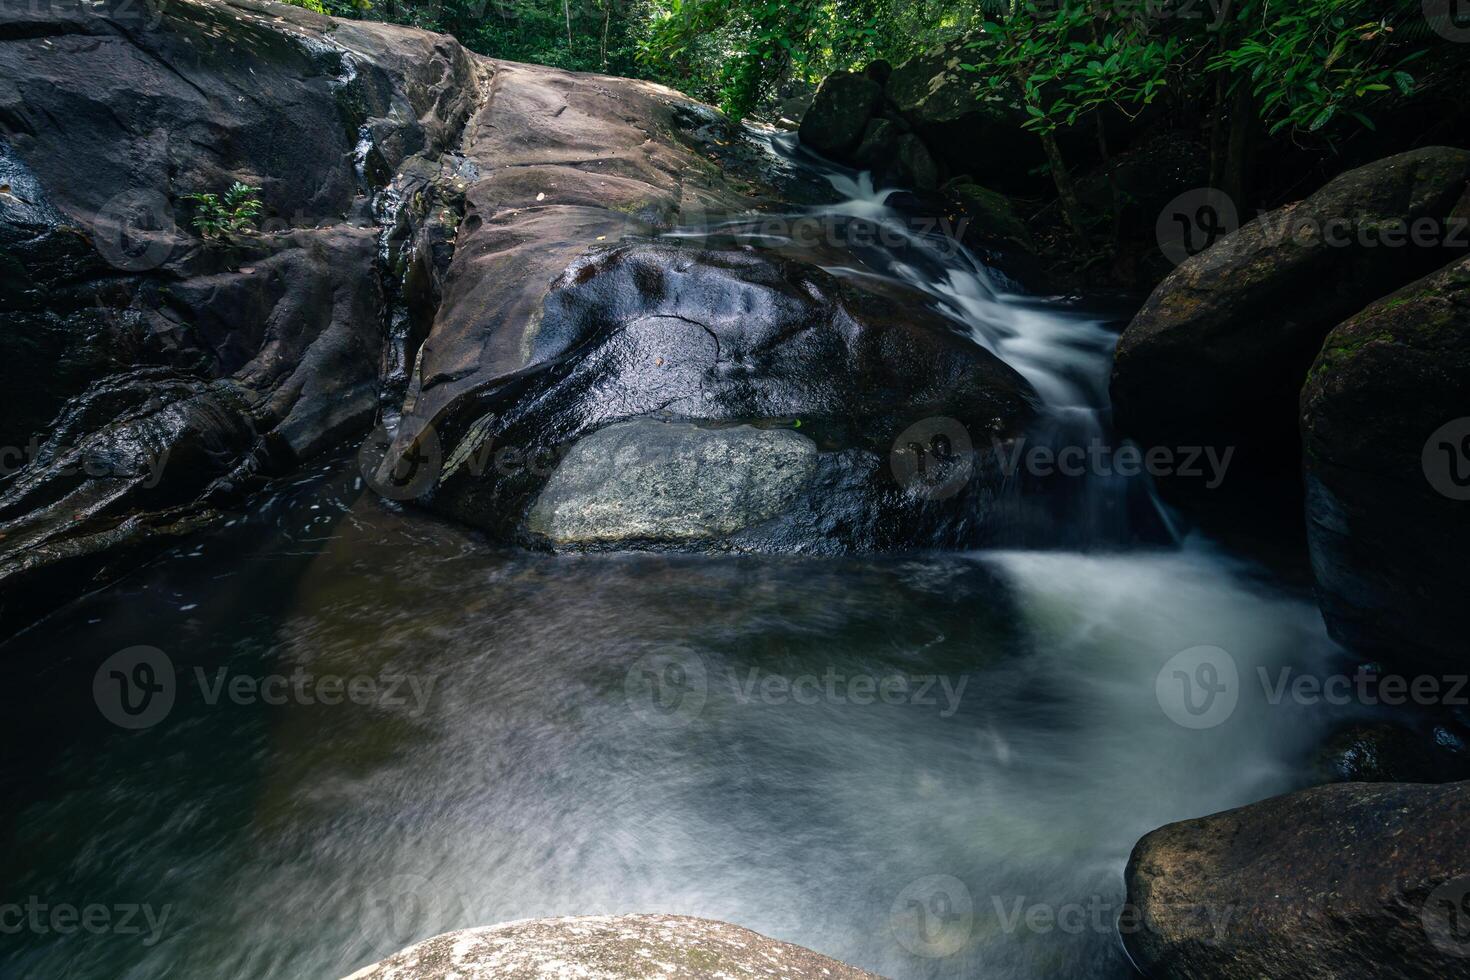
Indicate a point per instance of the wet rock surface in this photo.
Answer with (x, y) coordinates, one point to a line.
(1387, 458)
(399, 175)
(628, 947)
(1384, 752)
(134, 345)
(820, 380)
(1327, 882)
(1219, 353)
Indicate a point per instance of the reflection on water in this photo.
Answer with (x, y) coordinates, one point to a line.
(889, 760)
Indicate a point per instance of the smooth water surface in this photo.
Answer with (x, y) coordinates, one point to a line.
(617, 734)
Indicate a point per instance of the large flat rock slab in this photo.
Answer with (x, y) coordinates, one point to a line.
(594, 947)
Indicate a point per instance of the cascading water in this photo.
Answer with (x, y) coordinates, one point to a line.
(1065, 353)
(972, 821)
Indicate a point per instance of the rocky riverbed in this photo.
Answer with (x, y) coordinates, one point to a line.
(544, 291)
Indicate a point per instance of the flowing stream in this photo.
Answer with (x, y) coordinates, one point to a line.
(926, 765)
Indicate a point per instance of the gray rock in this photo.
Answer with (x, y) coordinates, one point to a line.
(1347, 880)
(594, 947)
(386, 157)
(992, 217)
(671, 482)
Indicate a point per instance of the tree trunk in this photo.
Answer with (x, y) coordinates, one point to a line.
(606, 23)
(1219, 147)
(1241, 162)
(1066, 190)
(566, 6)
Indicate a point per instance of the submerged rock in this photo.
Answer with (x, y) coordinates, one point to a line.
(671, 482)
(1385, 416)
(1328, 882)
(770, 400)
(595, 947)
(1218, 354)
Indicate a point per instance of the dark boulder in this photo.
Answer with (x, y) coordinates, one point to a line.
(834, 124)
(914, 166)
(991, 219)
(972, 128)
(1384, 752)
(1218, 354)
(879, 144)
(132, 465)
(1385, 416)
(221, 360)
(703, 399)
(1319, 883)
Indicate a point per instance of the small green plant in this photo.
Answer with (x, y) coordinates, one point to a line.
(235, 213)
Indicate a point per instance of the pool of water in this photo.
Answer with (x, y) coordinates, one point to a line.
(381, 728)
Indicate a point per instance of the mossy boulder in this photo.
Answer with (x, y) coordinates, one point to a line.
(1218, 354)
(1385, 416)
(992, 217)
(834, 125)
